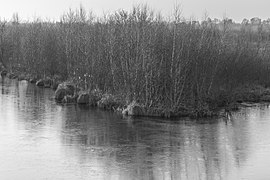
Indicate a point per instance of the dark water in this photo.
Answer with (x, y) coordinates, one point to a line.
(42, 140)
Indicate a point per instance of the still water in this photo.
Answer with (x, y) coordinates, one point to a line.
(40, 139)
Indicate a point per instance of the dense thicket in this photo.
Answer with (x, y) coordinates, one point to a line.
(138, 54)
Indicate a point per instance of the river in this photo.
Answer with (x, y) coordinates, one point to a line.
(40, 139)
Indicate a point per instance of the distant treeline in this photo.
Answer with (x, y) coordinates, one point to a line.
(140, 55)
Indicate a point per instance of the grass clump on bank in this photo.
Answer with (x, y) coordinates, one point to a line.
(168, 67)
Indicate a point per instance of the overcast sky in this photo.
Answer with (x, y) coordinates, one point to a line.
(52, 9)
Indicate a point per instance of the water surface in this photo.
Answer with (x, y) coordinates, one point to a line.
(40, 139)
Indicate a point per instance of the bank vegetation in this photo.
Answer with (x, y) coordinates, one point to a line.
(139, 56)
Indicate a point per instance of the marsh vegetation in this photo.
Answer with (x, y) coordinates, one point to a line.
(167, 64)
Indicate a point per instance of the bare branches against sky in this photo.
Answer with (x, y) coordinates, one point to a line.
(53, 9)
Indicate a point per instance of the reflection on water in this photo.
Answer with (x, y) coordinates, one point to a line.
(42, 140)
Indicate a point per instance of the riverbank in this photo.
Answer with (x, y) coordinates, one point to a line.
(37, 131)
(142, 64)
(68, 92)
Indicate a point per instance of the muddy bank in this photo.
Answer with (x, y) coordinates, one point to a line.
(68, 92)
